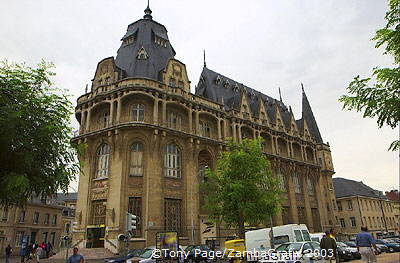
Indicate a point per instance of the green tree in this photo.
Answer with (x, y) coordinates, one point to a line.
(379, 95)
(36, 156)
(242, 189)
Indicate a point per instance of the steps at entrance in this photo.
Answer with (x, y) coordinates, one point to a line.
(87, 253)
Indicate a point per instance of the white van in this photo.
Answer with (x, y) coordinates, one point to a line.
(260, 239)
(317, 236)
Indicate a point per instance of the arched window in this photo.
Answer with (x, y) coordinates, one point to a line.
(138, 112)
(172, 161)
(311, 186)
(297, 183)
(102, 161)
(202, 171)
(282, 183)
(136, 162)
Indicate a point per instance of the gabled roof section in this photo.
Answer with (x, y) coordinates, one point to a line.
(149, 36)
(308, 116)
(219, 88)
(345, 188)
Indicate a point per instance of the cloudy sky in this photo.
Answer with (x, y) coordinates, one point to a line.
(264, 44)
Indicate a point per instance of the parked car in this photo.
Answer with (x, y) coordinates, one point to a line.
(192, 256)
(344, 254)
(145, 257)
(306, 249)
(122, 259)
(382, 248)
(353, 250)
(392, 247)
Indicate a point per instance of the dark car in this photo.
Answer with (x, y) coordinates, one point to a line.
(353, 250)
(344, 254)
(392, 247)
(196, 252)
(131, 254)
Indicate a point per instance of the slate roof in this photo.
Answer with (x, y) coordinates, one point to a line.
(144, 32)
(230, 96)
(345, 188)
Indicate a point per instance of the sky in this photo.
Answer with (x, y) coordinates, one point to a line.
(264, 44)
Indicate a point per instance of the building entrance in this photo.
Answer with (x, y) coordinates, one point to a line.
(95, 236)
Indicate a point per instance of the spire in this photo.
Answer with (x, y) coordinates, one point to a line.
(280, 94)
(204, 58)
(147, 12)
(308, 116)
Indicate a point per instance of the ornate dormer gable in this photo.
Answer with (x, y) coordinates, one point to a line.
(279, 122)
(306, 131)
(262, 112)
(218, 80)
(226, 83)
(106, 73)
(175, 75)
(292, 122)
(245, 111)
(142, 54)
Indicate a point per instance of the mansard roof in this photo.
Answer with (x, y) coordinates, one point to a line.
(346, 187)
(211, 86)
(139, 54)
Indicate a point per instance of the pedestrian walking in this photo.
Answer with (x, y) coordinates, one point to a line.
(365, 243)
(49, 249)
(328, 247)
(8, 253)
(76, 257)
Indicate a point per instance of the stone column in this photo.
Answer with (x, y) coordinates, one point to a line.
(276, 145)
(321, 201)
(190, 118)
(240, 133)
(273, 148)
(88, 120)
(291, 149)
(292, 199)
(111, 112)
(196, 120)
(307, 205)
(234, 131)
(155, 112)
(254, 133)
(302, 152)
(219, 129)
(119, 109)
(164, 112)
(83, 122)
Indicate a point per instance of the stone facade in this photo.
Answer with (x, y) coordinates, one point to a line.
(148, 141)
(40, 222)
(356, 211)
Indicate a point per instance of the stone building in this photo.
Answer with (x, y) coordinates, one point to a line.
(394, 196)
(360, 205)
(149, 140)
(40, 220)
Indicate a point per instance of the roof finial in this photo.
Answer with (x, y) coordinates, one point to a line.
(204, 58)
(147, 11)
(280, 95)
(302, 87)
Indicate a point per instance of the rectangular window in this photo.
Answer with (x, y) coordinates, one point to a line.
(22, 215)
(99, 212)
(282, 181)
(339, 205)
(67, 228)
(205, 129)
(18, 238)
(180, 84)
(135, 208)
(342, 222)
(46, 219)
(36, 218)
(349, 204)
(45, 237)
(297, 183)
(174, 121)
(353, 221)
(172, 82)
(310, 186)
(173, 215)
(54, 220)
(5, 214)
(53, 238)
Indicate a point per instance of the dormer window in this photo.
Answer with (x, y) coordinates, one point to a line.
(172, 82)
(129, 40)
(160, 41)
(236, 88)
(142, 54)
(252, 94)
(226, 84)
(218, 80)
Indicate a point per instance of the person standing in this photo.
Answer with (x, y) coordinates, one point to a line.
(76, 257)
(328, 247)
(366, 245)
(8, 253)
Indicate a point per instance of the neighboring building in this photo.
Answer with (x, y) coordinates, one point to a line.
(149, 141)
(360, 205)
(394, 196)
(40, 220)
